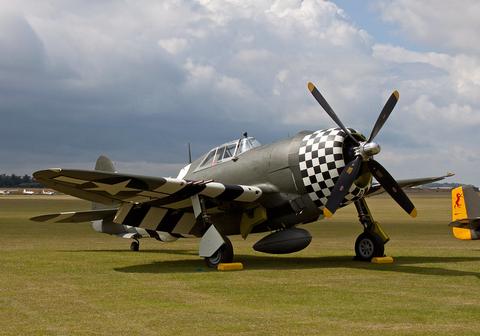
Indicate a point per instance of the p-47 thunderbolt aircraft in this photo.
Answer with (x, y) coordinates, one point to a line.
(242, 187)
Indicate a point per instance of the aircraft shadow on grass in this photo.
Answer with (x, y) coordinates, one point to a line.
(181, 252)
(405, 264)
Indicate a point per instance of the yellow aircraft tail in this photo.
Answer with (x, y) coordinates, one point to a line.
(465, 213)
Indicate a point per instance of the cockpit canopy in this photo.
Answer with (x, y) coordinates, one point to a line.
(228, 151)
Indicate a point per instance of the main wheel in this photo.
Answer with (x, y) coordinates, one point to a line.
(223, 255)
(369, 245)
(135, 246)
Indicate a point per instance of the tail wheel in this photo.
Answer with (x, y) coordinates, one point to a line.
(135, 246)
(223, 255)
(369, 245)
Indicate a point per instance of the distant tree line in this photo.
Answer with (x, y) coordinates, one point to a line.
(16, 181)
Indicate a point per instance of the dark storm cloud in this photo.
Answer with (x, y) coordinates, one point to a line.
(137, 81)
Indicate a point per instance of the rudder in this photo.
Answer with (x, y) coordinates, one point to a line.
(103, 164)
(465, 213)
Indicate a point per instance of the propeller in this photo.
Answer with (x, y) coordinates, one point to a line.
(364, 152)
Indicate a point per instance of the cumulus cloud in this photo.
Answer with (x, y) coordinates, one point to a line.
(138, 80)
(436, 24)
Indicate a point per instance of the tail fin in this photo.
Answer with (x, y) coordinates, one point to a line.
(465, 213)
(104, 164)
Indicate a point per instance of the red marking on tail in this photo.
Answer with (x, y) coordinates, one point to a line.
(457, 202)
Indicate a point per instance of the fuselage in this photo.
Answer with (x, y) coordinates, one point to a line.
(296, 174)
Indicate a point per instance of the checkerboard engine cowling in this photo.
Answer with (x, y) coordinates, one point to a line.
(321, 162)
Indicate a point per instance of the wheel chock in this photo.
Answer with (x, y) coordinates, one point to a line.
(382, 260)
(230, 266)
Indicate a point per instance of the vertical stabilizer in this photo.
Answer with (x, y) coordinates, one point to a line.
(465, 213)
(103, 164)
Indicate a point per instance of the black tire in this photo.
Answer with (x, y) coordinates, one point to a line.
(223, 255)
(135, 246)
(369, 245)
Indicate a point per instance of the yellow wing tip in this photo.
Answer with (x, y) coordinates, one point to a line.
(396, 94)
(327, 213)
(310, 86)
(413, 213)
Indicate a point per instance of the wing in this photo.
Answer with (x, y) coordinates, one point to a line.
(108, 188)
(376, 188)
(75, 216)
(151, 203)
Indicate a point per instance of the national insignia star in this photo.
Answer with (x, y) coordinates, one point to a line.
(112, 189)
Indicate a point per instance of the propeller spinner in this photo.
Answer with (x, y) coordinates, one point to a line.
(363, 153)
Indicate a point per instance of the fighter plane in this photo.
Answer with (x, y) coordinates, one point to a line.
(465, 213)
(242, 187)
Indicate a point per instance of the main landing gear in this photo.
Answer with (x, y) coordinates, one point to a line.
(223, 255)
(370, 243)
(215, 247)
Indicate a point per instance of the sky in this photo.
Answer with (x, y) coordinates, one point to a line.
(138, 80)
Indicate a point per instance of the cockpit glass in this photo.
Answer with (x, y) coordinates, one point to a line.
(219, 154)
(247, 144)
(208, 159)
(228, 151)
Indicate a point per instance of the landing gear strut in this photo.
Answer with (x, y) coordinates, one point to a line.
(370, 243)
(135, 245)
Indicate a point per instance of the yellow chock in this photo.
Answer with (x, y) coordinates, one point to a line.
(382, 260)
(230, 266)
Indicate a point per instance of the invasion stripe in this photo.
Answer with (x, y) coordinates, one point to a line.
(153, 217)
(250, 194)
(185, 224)
(171, 186)
(135, 216)
(122, 213)
(185, 193)
(231, 192)
(213, 189)
(169, 221)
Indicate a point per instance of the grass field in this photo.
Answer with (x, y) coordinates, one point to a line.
(65, 279)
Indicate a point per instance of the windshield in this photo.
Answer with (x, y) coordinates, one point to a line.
(228, 151)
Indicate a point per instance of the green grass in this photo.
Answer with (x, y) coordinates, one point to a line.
(65, 279)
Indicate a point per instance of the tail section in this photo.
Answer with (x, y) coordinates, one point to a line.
(104, 164)
(465, 213)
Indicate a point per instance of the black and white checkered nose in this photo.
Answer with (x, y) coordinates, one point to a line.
(363, 153)
(321, 161)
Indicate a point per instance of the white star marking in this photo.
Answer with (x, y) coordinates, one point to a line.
(112, 189)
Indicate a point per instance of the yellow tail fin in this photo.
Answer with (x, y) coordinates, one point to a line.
(465, 213)
(459, 209)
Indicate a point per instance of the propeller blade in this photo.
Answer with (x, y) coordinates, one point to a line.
(341, 188)
(318, 96)
(387, 109)
(391, 186)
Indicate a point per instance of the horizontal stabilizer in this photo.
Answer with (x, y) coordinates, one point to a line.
(75, 216)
